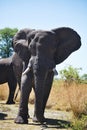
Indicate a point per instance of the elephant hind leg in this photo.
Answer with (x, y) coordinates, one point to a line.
(12, 83)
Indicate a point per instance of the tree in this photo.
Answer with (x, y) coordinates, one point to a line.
(6, 36)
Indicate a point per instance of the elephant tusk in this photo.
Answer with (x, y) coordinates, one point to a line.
(55, 71)
(16, 94)
(26, 71)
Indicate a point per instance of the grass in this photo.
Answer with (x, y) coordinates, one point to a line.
(62, 97)
(77, 96)
(4, 91)
(79, 124)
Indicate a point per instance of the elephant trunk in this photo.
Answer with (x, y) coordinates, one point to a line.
(39, 80)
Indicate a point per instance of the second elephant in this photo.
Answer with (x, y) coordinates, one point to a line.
(10, 71)
(7, 75)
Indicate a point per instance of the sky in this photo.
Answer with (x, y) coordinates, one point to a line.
(47, 15)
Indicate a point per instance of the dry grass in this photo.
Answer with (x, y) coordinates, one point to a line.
(58, 97)
(77, 95)
(4, 91)
(69, 97)
(62, 97)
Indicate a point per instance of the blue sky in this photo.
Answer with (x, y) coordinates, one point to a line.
(49, 14)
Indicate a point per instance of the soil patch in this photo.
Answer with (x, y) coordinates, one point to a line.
(55, 119)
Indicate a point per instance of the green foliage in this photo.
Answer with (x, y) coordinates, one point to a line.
(79, 124)
(70, 74)
(84, 78)
(6, 36)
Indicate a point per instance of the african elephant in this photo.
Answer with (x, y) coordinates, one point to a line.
(47, 48)
(7, 75)
(11, 69)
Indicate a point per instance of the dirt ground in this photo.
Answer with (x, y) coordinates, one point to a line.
(55, 119)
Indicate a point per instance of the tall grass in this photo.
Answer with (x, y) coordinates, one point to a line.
(77, 95)
(4, 91)
(58, 98)
(63, 96)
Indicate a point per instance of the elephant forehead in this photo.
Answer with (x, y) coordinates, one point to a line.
(44, 44)
(45, 38)
(44, 41)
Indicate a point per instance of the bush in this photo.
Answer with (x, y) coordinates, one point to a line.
(70, 74)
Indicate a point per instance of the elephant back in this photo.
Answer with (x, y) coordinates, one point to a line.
(5, 69)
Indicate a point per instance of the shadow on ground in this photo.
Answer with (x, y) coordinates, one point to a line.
(8, 113)
(58, 123)
(2, 116)
(54, 123)
(50, 123)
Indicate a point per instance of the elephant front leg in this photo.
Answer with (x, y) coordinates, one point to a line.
(26, 85)
(39, 78)
(47, 89)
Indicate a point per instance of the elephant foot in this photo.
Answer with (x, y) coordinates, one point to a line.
(10, 102)
(43, 119)
(21, 120)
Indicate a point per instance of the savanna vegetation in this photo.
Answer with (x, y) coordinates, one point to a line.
(6, 36)
(69, 93)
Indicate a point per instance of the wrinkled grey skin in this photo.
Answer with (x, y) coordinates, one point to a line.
(20, 45)
(17, 67)
(48, 48)
(10, 71)
(7, 74)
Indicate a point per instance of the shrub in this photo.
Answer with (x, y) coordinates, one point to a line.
(70, 74)
(79, 124)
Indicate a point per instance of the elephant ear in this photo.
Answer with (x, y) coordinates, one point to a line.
(21, 48)
(21, 35)
(68, 41)
(31, 35)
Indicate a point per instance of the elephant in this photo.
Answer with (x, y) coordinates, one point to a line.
(8, 75)
(11, 69)
(47, 49)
